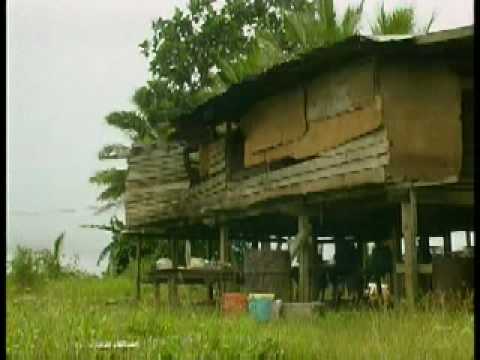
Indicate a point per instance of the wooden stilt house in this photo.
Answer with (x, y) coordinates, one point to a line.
(370, 138)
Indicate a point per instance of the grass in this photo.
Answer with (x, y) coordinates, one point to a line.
(63, 318)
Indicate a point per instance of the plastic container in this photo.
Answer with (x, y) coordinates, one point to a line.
(197, 263)
(261, 296)
(234, 303)
(276, 309)
(261, 309)
(163, 263)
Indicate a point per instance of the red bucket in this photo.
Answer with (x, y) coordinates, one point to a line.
(234, 303)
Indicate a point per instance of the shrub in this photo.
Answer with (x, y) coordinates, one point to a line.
(25, 268)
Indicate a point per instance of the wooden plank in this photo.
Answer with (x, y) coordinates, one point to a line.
(421, 268)
(412, 110)
(409, 228)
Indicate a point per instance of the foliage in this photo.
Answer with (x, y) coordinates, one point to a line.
(113, 152)
(113, 180)
(25, 268)
(30, 268)
(201, 51)
(122, 248)
(399, 21)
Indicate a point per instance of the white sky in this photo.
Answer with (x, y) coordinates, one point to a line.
(70, 63)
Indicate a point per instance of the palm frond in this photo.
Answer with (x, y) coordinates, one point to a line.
(114, 181)
(399, 21)
(351, 20)
(105, 251)
(57, 247)
(113, 151)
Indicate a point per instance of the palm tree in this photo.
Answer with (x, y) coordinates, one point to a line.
(399, 21)
(57, 248)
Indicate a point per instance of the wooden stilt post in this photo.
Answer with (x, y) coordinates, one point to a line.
(265, 242)
(224, 244)
(447, 243)
(469, 238)
(409, 229)
(188, 253)
(396, 253)
(139, 268)
(172, 281)
(305, 259)
(225, 248)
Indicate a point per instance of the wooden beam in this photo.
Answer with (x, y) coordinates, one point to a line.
(421, 268)
(409, 229)
(446, 197)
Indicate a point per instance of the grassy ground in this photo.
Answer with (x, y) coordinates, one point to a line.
(61, 320)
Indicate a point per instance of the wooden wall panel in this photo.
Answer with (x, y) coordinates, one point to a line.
(344, 90)
(276, 121)
(332, 132)
(339, 107)
(421, 109)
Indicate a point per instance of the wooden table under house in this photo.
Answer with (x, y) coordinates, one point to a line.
(368, 140)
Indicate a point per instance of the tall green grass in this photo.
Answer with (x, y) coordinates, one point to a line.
(66, 316)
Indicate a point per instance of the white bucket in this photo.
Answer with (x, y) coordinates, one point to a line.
(163, 264)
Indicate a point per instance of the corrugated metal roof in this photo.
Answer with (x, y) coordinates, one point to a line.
(240, 96)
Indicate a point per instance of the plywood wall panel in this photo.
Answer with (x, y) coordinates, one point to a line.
(274, 122)
(421, 109)
(340, 91)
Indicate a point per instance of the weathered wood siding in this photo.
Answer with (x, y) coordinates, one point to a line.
(212, 158)
(421, 112)
(358, 162)
(359, 126)
(332, 110)
(273, 123)
(156, 184)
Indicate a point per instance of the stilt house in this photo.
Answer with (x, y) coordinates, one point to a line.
(368, 139)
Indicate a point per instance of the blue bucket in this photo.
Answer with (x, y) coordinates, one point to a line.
(261, 309)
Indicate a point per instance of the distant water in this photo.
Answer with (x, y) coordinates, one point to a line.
(39, 229)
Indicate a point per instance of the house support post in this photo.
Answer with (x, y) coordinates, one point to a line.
(409, 229)
(224, 244)
(468, 235)
(395, 248)
(225, 248)
(305, 253)
(447, 242)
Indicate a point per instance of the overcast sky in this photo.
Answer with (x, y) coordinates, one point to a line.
(69, 63)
